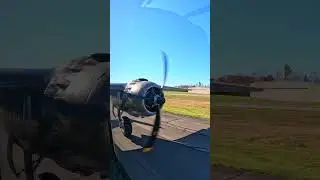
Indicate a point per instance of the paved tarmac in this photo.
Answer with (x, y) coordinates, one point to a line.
(181, 152)
(186, 140)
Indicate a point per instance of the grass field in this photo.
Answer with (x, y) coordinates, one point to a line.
(279, 142)
(188, 104)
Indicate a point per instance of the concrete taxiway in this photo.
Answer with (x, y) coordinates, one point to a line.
(181, 150)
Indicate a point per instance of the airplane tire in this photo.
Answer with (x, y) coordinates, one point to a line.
(48, 176)
(127, 127)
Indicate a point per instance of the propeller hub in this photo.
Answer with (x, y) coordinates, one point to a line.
(158, 100)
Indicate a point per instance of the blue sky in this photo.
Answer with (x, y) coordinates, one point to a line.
(253, 35)
(140, 31)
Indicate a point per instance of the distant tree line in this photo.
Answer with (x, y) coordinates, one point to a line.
(286, 74)
(290, 75)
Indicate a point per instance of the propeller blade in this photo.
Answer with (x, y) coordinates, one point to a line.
(148, 146)
(165, 67)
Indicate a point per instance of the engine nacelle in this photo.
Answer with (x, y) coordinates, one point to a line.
(139, 98)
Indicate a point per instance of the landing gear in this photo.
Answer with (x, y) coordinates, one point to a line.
(126, 126)
(125, 123)
(48, 176)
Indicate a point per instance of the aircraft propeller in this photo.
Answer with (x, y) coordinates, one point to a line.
(153, 99)
(148, 146)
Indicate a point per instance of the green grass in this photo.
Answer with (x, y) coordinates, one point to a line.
(279, 142)
(187, 104)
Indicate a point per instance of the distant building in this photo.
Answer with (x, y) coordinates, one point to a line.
(183, 86)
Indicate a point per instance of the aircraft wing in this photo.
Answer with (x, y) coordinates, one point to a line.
(116, 87)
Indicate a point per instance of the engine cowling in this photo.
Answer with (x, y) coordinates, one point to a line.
(139, 98)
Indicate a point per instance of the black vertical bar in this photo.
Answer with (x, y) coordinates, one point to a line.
(28, 166)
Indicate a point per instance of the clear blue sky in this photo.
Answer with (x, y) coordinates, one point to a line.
(251, 35)
(141, 30)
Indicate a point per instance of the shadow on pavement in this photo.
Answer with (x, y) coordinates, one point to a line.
(183, 158)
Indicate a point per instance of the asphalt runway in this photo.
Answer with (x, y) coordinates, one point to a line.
(181, 152)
